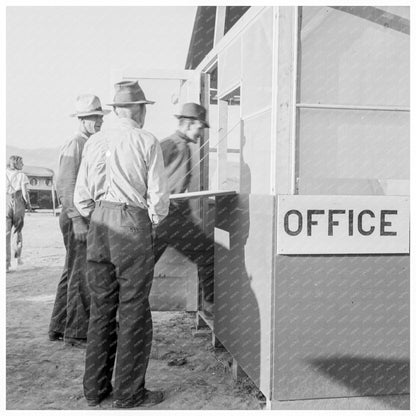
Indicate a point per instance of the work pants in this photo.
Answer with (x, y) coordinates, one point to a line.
(70, 314)
(120, 274)
(179, 231)
(15, 213)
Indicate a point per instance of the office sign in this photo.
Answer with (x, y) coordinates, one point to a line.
(341, 224)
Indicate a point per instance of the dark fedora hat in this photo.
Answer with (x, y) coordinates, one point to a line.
(129, 93)
(193, 111)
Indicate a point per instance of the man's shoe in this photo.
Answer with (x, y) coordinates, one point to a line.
(55, 336)
(96, 401)
(151, 398)
(76, 342)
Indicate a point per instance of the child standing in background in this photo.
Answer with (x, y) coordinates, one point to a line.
(17, 197)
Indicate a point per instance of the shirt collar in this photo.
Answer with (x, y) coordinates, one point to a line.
(128, 122)
(183, 136)
(84, 136)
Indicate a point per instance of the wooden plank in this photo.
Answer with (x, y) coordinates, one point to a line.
(285, 101)
(208, 321)
(222, 144)
(353, 107)
(204, 154)
(201, 324)
(155, 73)
(237, 372)
(219, 24)
(243, 276)
(201, 194)
(216, 343)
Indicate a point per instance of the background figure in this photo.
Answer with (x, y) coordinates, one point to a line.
(128, 161)
(178, 229)
(70, 313)
(17, 198)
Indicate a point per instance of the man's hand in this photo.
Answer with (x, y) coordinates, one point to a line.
(80, 228)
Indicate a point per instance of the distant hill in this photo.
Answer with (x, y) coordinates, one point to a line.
(45, 158)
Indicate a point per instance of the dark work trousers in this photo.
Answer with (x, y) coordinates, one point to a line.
(15, 213)
(120, 274)
(179, 231)
(71, 310)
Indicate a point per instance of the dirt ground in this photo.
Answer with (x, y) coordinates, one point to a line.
(48, 375)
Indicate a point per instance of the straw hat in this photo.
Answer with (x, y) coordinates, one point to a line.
(88, 105)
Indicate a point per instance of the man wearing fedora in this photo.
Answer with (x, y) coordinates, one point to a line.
(177, 229)
(122, 187)
(70, 313)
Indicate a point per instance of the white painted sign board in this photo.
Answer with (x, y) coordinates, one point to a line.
(342, 224)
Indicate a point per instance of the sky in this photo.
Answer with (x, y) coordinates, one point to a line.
(55, 53)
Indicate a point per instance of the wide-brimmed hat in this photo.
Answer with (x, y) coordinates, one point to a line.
(129, 93)
(193, 111)
(88, 105)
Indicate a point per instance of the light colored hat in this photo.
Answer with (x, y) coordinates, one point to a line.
(129, 93)
(193, 111)
(88, 105)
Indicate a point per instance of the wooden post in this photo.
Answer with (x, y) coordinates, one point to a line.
(216, 342)
(200, 322)
(219, 24)
(236, 371)
(222, 144)
(284, 101)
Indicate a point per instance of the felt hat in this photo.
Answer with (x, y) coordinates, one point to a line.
(129, 93)
(193, 111)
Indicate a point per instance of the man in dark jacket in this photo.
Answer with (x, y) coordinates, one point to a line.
(70, 313)
(177, 229)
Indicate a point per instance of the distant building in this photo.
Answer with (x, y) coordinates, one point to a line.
(42, 191)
